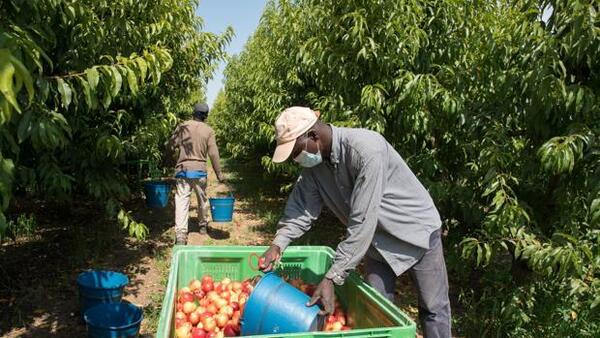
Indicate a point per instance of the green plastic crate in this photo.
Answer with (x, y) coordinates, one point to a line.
(372, 314)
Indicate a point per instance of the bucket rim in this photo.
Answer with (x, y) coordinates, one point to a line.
(156, 182)
(138, 310)
(224, 198)
(120, 285)
(264, 276)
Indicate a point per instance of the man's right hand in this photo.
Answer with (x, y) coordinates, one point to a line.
(268, 259)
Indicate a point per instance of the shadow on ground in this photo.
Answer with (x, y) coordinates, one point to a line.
(38, 292)
(213, 232)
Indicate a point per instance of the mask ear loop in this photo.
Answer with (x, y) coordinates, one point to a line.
(306, 142)
(306, 145)
(305, 135)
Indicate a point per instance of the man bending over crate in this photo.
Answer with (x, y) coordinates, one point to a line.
(196, 142)
(391, 220)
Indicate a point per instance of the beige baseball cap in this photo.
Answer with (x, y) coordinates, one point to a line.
(292, 123)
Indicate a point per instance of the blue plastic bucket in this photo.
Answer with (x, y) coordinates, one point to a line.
(98, 287)
(276, 307)
(221, 208)
(118, 320)
(157, 194)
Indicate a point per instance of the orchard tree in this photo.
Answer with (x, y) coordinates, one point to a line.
(495, 107)
(88, 87)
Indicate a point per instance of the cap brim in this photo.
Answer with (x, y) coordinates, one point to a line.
(283, 151)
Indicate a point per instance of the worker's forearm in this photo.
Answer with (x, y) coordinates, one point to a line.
(291, 229)
(301, 209)
(215, 161)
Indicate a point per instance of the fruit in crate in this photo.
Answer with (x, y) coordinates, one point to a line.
(208, 308)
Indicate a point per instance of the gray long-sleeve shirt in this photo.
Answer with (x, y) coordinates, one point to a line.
(371, 190)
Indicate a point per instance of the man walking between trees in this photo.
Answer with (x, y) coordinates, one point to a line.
(196, 142)
(391, 220)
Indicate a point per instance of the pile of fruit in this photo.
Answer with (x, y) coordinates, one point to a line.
(209, 309)
(206, 309)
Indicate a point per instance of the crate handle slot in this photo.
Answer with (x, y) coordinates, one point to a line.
(250, 259)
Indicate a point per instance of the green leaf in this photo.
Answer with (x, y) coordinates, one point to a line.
(595, 211)
(92, 77)
(62, 122)
(44, 86)
(117, 81)
(570, 99)
(517, 250)
(65, 91)
(90, 98)
(107, 100)
(143, 67)
(24, 75)
(24, 129)
(579, 100)
(154, 68)
(7, 71)
(70, 11)
(5, 110)
(6, 178)
(132, 81)
(9, 140)
(568, 237)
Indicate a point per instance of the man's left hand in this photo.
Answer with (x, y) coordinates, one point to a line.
(325, 293)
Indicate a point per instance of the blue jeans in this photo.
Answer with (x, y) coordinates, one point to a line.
(431, 281)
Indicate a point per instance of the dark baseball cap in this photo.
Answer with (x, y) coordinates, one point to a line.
(200, 108)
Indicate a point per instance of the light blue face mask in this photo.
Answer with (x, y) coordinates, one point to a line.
(309, 160)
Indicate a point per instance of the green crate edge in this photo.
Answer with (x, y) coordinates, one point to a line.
(406, 331)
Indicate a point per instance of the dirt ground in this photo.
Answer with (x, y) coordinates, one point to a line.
(38, 293)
